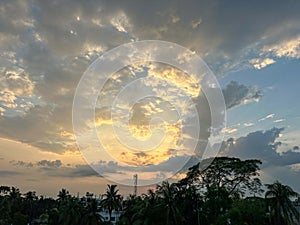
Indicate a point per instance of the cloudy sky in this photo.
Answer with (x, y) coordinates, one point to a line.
(252, 47)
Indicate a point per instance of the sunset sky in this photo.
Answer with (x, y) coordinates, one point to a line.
(252, 47)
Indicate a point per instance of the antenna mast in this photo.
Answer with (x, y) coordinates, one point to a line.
(135, 177)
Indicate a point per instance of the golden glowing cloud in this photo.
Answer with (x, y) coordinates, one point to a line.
(177, 77)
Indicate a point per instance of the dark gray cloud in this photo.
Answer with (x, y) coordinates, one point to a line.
(8, 173)
(73, 172)
(236, 94)
(163, 167)
(42, 163)
(57, 169)
(261, 145)
(47, 163)
(40, 127)
(34, 121)
(225, 29)
(21, 163)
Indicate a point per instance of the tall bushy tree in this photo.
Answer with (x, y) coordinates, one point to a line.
(221, 181)
(233, 174)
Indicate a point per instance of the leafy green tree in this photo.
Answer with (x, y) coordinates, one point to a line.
(233, 174)
(220, 181)
(282, 209)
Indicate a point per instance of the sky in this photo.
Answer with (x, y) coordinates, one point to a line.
(251, 47)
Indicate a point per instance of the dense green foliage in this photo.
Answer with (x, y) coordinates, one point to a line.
(18, 209)
(225, 192)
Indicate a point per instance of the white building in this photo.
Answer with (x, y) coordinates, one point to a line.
(115, 216)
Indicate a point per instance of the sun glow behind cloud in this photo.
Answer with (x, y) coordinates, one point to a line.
(152, 119)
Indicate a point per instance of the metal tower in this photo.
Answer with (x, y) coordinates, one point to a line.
(135, 178)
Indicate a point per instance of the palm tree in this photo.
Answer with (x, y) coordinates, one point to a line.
(14, 193)
(63, 195)
(282, 210)
(112, 200)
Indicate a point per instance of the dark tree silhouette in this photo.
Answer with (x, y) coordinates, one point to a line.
(282, 210)
(112, 200)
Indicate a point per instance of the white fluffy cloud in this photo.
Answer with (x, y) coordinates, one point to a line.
(286, 48)
(16, 82)
(14, 87)
(261, 63)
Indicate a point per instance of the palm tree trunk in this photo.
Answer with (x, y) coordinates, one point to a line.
(109, 212)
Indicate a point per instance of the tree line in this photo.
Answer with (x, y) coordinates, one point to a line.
(224, 191)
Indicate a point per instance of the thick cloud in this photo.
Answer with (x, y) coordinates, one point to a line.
(47, 163)
(45, 131)
(42, 163)
(8, 173)
(261, 145)
(264, 145)
(236, 94)
(68, 171)
(21, 163)
(214, 28)
(56, 168)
